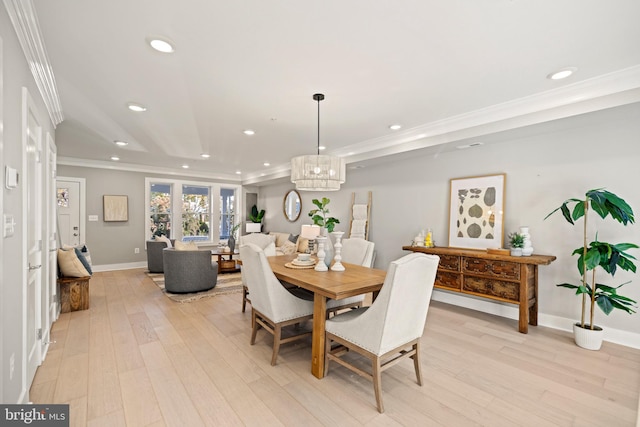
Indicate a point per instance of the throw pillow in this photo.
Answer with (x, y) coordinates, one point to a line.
(288, 248)
(303, 244)
(83, 260)
(165, 239)
(70, 265)
(182, 246)
(293, 238)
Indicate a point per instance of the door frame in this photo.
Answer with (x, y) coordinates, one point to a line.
(83, 205)
(29, 108)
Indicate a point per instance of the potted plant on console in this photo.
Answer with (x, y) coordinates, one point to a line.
(607, 256)
(255, 226)
(517, 243)
(320, 218)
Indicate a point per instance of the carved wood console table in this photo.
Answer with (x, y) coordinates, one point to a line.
(498, 277)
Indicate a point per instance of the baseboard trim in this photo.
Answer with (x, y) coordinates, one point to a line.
(509, 311)
(125, 266)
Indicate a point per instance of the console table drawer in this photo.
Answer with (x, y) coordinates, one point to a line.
(448, 280)
(449, 262)
(493, 268)
(492, 287)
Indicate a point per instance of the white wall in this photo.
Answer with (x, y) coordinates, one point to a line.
(16, 75)
(553, 162)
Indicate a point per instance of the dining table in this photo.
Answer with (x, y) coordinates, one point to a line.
(354, 280)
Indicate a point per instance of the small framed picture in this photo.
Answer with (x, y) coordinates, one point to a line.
(115, 208)
(476, 211)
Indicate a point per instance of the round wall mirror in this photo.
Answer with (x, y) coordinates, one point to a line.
(292, 205)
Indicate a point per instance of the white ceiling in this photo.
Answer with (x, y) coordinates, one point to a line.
(446, 70)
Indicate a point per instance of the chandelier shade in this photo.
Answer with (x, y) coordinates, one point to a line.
(316, 172)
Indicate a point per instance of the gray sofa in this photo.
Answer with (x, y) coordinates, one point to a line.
(188, 271)
(154, 255)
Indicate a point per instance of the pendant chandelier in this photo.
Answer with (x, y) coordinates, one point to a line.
(316, 172)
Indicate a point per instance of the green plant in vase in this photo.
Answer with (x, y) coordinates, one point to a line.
(320, 216)
(516, 240)
(256, 216)
(607, 256)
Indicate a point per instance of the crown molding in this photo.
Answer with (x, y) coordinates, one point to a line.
(130, 167)
(25, 22)
(606, 91)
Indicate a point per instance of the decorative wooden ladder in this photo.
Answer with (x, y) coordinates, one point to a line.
(360, 215)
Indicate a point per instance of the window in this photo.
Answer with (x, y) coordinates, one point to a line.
(200, 211)
(160, 210)
(195, 213)
(227, 212)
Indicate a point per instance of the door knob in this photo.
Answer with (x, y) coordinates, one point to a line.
(75, 234)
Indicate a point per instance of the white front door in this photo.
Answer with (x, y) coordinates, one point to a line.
(68, 195)
(32, 152)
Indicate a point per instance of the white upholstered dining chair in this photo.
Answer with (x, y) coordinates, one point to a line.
(354, 251)
(391, 328)
(272, 306)
(268, 245)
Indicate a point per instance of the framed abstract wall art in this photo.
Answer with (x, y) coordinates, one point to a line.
(115, 208)
(476, 211)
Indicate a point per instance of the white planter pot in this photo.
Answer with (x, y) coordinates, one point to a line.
(587, 338)
(516, 251)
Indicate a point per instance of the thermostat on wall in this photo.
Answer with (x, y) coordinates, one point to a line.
(10, 178)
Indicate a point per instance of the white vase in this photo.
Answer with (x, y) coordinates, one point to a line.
(516, 251)
(527, 248)
(587, 338)
(328, 247)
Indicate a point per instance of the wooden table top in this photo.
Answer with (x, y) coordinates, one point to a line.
(355, 280)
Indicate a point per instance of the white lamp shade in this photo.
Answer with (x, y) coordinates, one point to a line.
(310, 231)
(254, 227)
(318, 173)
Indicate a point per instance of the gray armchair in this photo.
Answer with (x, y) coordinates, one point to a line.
(154, 255)
(188, 271)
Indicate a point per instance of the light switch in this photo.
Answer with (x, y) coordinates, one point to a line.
(9, 225)
(93, 217)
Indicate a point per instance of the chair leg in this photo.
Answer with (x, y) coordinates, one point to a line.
(416, 362)
(327, 349)
(377, 385)
(277, 334)
(254, 326)
(244, 298)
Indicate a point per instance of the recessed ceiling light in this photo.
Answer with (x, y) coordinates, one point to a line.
(562, 74)
(138, 108)
(205, 155)
(322, 147)
(267, 164)
(161, 45)
(249, 132)
(121, 143)
(395, 127)
(185, 166)
(238, 172)
(115, 158)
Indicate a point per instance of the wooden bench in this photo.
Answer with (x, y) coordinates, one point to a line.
(74, 293)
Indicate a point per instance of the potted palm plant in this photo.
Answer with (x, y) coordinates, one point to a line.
(595, 256)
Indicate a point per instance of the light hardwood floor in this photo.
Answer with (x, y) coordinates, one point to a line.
(136, 358)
